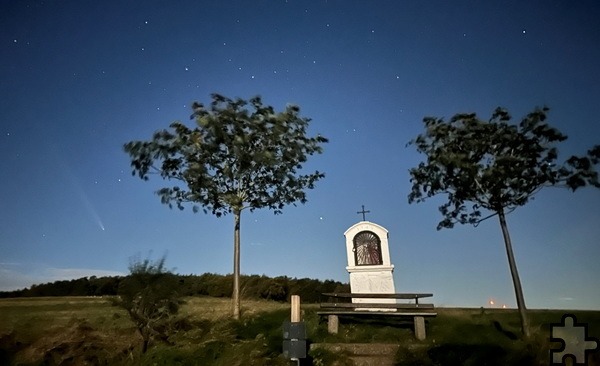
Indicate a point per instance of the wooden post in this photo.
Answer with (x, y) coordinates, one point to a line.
(295, 316)
(420, 328)
(333, 323)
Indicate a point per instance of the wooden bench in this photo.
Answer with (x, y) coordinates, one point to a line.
(343, 305)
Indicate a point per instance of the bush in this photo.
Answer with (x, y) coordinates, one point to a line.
(149, 295)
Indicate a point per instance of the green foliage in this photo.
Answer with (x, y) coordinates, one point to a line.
(207, 284)
(85, 286)
(259, 287)
(241, 154)
(82, 330)
(493, 165)
(256, 340)
(324, 357)
(149, 294)
(267, 326)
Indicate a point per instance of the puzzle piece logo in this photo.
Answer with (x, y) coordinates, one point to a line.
(575, 342)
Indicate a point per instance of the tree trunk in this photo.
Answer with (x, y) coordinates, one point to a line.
(145, 339)
(236, 266)
(515, 275)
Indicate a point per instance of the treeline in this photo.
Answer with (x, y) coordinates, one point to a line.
(208, 284)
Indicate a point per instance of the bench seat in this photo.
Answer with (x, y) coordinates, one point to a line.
(350, 305)
(418, 311)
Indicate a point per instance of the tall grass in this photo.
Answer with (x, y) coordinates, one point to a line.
(35, 331)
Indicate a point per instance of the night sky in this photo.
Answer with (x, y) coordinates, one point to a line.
(78, 79)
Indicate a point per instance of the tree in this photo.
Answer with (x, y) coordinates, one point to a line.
(240, 155)
(494, 166)
(149, 295)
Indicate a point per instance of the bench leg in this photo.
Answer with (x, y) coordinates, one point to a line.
(333, 323)
(420, 328)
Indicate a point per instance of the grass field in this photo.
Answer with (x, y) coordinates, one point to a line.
(81, 330)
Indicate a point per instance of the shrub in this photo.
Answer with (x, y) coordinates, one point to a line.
(149, 294)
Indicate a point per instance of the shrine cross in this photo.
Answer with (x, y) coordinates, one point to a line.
(363, 212)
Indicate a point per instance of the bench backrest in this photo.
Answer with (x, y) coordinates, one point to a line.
(405, 296)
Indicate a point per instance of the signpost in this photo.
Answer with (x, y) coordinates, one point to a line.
(294, 333)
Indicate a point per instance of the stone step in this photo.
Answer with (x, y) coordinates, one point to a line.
(363, 354)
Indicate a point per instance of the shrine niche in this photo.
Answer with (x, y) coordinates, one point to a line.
(367, 249)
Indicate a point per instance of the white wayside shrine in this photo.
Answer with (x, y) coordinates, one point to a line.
(372, 287)
(369, 264)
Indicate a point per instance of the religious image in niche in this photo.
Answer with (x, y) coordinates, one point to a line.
(367, 249)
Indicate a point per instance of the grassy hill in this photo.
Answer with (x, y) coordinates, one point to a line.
(90, 330)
